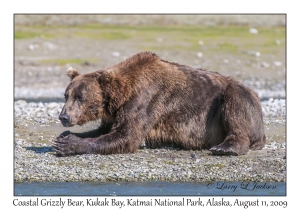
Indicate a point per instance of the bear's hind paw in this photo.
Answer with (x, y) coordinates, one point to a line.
(217, 150)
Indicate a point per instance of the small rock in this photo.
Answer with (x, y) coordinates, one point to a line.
(33, 46)
(143, 145)
(253, 31)
(50, 45)
(52, 105)
(265, 64)
(41, 105)
(193, 155)
(277, 63)
(159, 39)
(86, 63)
(225, 61)
(256, 54)
(199, 54)
(115, 54)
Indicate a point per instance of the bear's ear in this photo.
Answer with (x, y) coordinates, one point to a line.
(72, 73)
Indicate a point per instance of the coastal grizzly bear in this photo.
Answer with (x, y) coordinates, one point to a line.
(145, 98)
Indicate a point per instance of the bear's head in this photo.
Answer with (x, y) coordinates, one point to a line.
(84, 99)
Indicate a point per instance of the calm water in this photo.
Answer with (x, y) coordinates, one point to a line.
(151, 188)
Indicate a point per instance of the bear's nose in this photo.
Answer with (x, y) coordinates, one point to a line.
(64, 118)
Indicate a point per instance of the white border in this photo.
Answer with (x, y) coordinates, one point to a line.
(238, 7)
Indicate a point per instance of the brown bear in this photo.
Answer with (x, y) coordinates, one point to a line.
(145, 98)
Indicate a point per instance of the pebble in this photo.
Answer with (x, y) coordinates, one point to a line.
(264, 64)
(32, 47)
(193, 156)
(254, 53)
(201, 43)
(199, 54)
(277, 63)
(115, 54)
(158, 39)
(50, 46)
(253, 31)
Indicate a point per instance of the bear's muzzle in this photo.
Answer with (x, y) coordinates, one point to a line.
(65, 119)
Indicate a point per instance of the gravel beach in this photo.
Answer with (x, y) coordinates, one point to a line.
(37, 124)
(250, 48)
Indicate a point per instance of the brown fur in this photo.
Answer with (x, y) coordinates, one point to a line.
(147, 98)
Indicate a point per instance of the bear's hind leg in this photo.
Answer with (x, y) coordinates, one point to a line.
(239, 116)
(258, 144)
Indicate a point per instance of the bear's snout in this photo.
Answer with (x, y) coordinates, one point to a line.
(65, 119)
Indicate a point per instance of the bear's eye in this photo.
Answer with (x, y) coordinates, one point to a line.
(79, 98)
(66, 97)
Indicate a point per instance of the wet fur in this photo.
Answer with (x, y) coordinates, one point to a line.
(147, 98)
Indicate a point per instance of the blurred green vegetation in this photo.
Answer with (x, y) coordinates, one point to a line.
(63, 62)
(225, 39)
(125, 32)
(30, 34)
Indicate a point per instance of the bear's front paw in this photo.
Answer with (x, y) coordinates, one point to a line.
(67, 145)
